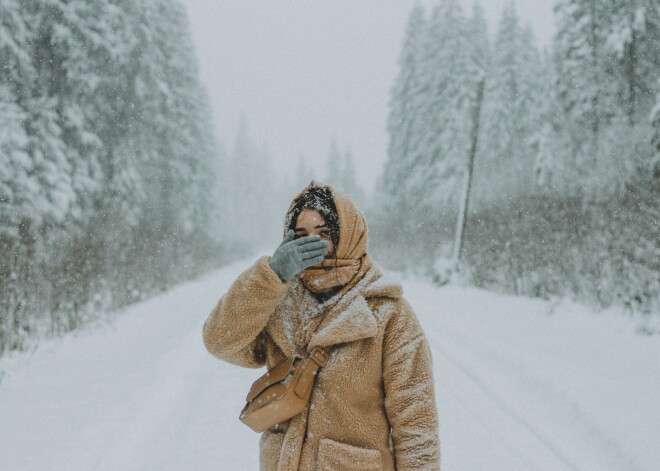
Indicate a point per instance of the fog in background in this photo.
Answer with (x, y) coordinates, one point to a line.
(302, 73)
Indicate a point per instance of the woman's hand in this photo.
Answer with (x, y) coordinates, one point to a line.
(293, 256)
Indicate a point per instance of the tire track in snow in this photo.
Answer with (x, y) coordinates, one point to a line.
(571, 423)
(142, 414)
(165, 399)
(543, 440)
(494, 439)
(171, 418)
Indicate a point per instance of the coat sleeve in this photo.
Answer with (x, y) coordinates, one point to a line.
(409, 392)
(234, 331)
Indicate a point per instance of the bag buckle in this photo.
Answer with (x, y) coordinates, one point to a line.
(319, 356)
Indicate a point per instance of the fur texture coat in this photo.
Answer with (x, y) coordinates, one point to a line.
(373, 404)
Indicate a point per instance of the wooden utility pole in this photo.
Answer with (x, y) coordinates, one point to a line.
(462, 213)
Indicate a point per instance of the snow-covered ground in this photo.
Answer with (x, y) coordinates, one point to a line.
(521, 385)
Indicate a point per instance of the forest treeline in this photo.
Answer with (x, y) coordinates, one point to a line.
(113, 187)
(564, 197)
(107, 161)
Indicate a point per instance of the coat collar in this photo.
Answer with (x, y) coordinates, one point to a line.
(349, 319)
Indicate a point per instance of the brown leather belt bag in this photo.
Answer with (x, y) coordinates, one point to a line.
(283, 392)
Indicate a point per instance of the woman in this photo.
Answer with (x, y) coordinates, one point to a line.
(372, 406)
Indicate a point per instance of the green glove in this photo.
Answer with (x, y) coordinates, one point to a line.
(293, 256)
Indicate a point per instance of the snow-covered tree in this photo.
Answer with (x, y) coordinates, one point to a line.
(15, 34)
(252, 177)
(404, 119)
(442, 61)
(448, 75)
(632, 38)
(106, 169)
(607, 61)
(349, 183)
(555, 130)
(479, 43)
(304, 174)
(512, 112)
(655, 141)
(550, 140)
(586, 92)
(18, 189)
(335, 163)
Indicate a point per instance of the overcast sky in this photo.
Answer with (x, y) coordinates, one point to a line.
(304, 71)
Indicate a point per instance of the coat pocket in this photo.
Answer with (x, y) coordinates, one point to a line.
(270, 446)
(335, 456)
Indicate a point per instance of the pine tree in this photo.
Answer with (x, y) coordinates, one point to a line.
(218, 217)
(449, 90)
(15, 36)
(655, 142)
(304, 174)
(585, 90)
(252, 177)
(632, 38)
(270, 210)
(349, 184)
(633, 63)
(19, 188)
(512, 111)
(241, 172)
(607, 60)
(550, 140)
(107, 158)
(403, 124)
(443, 59)
(335, 164)
(479, 49)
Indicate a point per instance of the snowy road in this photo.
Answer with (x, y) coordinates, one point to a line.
(518, 388)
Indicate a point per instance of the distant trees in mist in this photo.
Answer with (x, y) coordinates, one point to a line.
(565, 190)
(342, 174)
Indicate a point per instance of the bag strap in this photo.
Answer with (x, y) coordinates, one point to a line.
(319, 357)
(324, 352)
(312, 364)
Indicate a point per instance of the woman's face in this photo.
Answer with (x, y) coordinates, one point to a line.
(310, 222)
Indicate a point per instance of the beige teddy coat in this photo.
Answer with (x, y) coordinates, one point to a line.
(373, 404)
